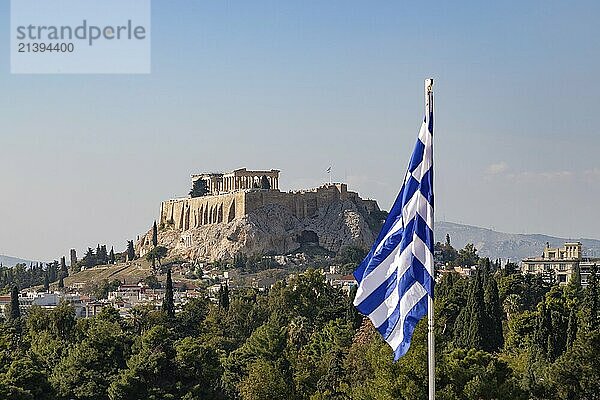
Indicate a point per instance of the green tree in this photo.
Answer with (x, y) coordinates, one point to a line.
(199, 188)
(46, 283)
(154, 235)
(151, 370)
(198, 370)
(265, 380)
(15, 310)
(590, 312)
(475, 374)
(264, 183)
(493, 338)
(168, 302)
(89, 259)
(152, 282)
(24, 380)
(470, 325)
(157, 253)
(224, 296)
(111, 255)
(130, 251)
(575, 375)
(467, 256)
(89, 368)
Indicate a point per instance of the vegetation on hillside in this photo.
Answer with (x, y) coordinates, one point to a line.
(500, 335)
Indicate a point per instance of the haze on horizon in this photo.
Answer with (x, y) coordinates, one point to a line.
(299, 86)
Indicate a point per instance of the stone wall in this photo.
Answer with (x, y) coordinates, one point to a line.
(258, 222)
(188, 213)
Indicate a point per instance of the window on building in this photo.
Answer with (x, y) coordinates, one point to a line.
(562, 267)
(546, 267)
(562, 278)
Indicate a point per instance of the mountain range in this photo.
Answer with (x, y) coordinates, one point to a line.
(9, 261)
(513, 246)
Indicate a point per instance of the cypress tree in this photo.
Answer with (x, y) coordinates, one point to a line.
(63, 267)
(154, 235)
(590, 310)
(61, 282)
(543, 333)
(15, 311)
(493, 340)
(469, 330)
(224, 296)
(168, 302)
(111, 256)
(572, 328)
(46, 282)
(102, 255)
(352, 314)
(130, 251)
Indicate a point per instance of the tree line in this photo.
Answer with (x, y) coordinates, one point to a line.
(499, 334)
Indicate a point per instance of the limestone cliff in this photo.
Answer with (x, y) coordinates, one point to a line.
(273, 229)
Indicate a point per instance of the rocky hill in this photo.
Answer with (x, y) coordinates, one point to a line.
(272, 229)
(514, 246)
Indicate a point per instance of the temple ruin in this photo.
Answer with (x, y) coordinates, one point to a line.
(239, 179)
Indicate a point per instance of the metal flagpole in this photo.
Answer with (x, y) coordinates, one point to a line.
(430, 320)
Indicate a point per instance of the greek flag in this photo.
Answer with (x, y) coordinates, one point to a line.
(396, 276)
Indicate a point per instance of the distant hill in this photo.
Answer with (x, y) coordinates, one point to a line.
(9, 261)
(514, 246)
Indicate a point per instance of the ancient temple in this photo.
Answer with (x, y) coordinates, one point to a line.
(239, 179)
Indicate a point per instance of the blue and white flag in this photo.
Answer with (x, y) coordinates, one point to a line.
(396, 276)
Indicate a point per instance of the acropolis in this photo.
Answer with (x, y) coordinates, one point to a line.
(234, 194)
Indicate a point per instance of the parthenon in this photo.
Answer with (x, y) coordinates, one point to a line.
(239, 179)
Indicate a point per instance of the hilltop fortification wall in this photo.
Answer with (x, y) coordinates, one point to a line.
(189, 213)
(263, 221)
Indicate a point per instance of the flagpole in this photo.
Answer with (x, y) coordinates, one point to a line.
(430, 319)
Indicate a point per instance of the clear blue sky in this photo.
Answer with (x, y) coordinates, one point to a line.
(86, 159)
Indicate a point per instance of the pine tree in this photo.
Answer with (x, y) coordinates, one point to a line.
(15, 311)
(264, 182)
(199, 188)
(154, 235)
(168, 302)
